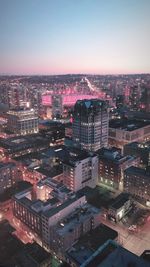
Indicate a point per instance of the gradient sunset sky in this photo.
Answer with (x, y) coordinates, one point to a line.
(74, 36)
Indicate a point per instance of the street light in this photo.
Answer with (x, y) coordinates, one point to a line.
(1, 216)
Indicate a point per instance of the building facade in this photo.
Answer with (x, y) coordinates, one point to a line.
(22, 121)
(9, 175)
(80, 171)
(112, 165)
(137, 183)
(90, 124)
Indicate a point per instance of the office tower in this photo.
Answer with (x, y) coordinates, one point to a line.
(57, 108)
(14, 95)
(90, 124)
(135, 95)
(22, 121)
(145, 99)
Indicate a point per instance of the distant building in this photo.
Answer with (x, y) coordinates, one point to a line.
(13, 94)
(112, 165)
(22, 145)
(80, 170)
(137, 183)
(125, 131)
(9, 175)
(90, 124)
(22, 121)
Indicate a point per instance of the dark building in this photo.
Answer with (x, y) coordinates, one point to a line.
(141, 150)
(90, 124)
(137, 183)
(111, 166)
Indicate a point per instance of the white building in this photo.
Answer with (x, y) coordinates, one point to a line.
(22, 121)
(80, 171)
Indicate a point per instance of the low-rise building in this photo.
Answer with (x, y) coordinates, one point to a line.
(141, 150)
(48, 186)
(125, 131)
(72, 227)
(84, 250)
(52, 216)
(120, 206)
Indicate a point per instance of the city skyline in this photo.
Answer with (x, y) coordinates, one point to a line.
(60, 37)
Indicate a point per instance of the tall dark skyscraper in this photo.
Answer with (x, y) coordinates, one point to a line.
(90, 124)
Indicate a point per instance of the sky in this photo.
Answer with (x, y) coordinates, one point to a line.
(74, 36)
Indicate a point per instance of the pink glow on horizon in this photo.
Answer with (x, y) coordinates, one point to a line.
(67, 100)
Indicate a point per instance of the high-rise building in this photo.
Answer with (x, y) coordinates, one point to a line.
(90, 124)
(14, 95)
(22, 121)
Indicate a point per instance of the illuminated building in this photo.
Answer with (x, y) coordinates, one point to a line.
(145, 99)
(62, 102)
(80, 171)
(120, 206)
(48, 186)
(90, 124)
(9, 175)
(29, 211)
(23, 145)
(14, 95)
(137, 183)
(111, 166)
(120, 101)
(135, 95)
(22, 121)
(125, 131)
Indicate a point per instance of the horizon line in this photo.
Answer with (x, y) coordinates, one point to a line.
(63, 74)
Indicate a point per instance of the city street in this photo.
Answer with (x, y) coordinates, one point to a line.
(135, 242)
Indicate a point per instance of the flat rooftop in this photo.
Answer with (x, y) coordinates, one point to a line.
(113, 255)
(21, 142)
(53, 211)
(119, 201)
(113, 154)
(138, 171)
(128, 124)
(74, 155)
(76, 217)
(90, 242)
